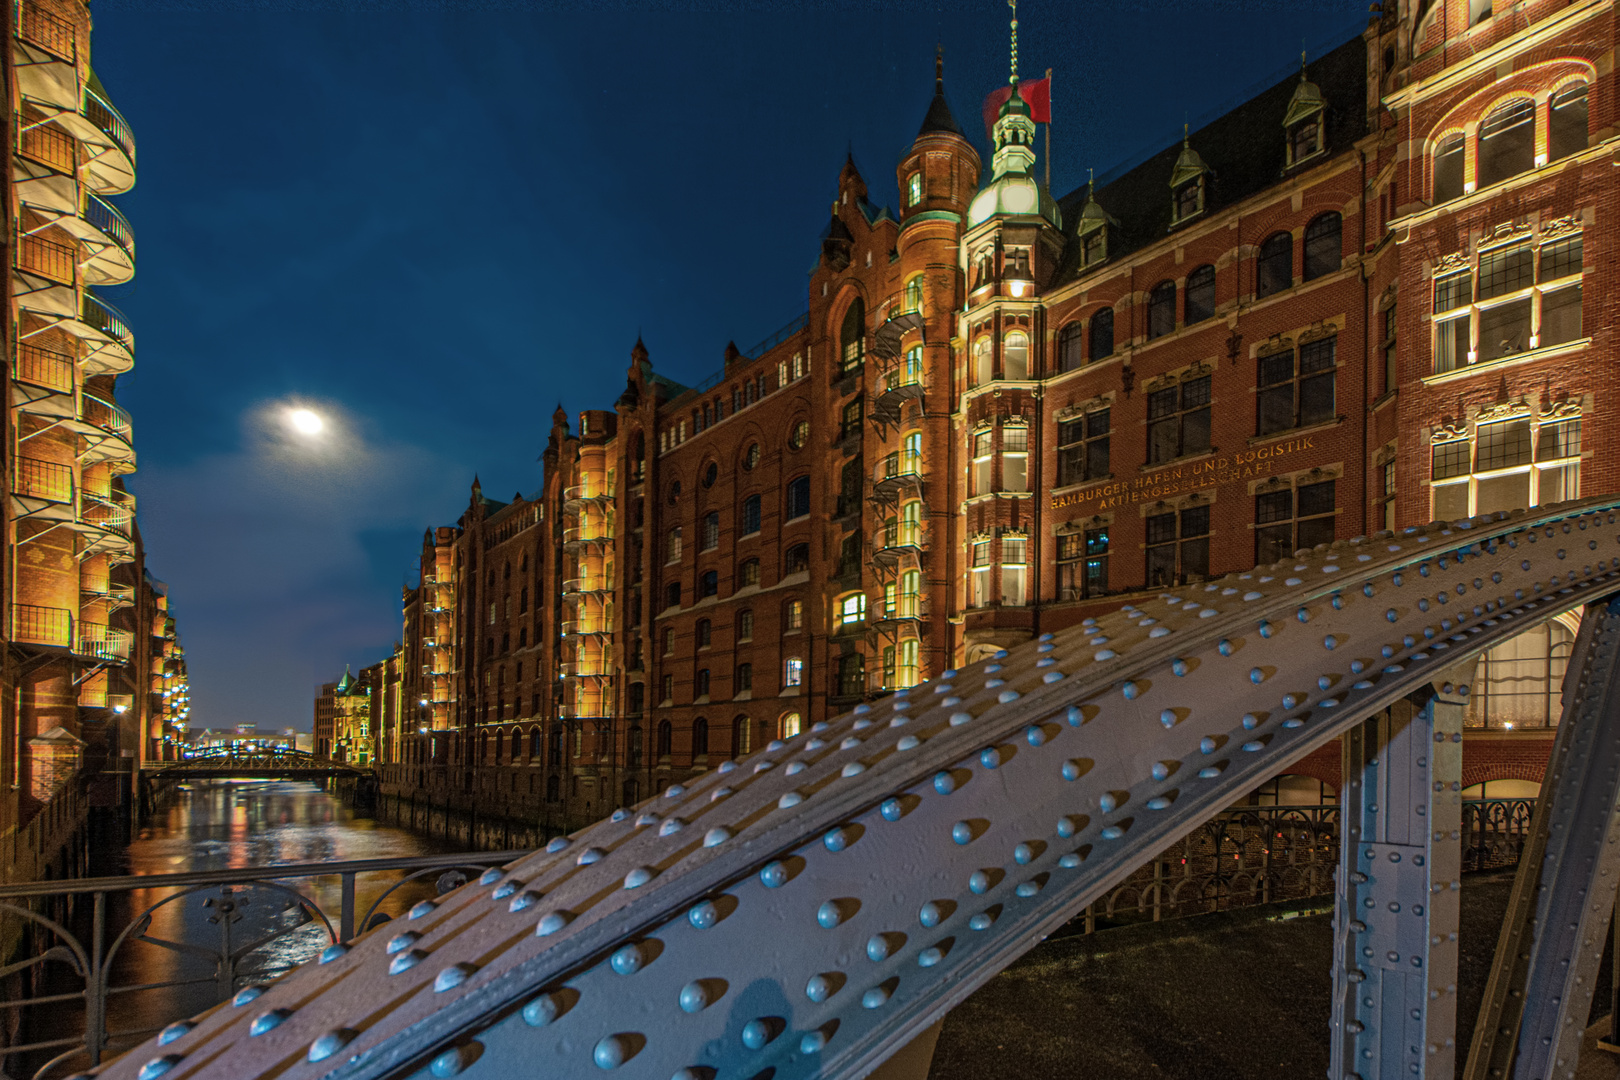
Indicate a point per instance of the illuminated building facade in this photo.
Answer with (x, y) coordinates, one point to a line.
(79, 618)
(1354, 302)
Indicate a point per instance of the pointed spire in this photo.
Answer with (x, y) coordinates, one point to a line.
(939, 120)
(1013, 78)
(939, 69)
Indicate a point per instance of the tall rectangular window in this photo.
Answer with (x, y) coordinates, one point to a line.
(798, 497)
(1391, 374)
(983, 460)
(979, 574)
(793, 672)
(711, 530)
(1015, 458)
(1178, 420)
(1291, 396)
(793, 615)
(750, 515)
(1083, 448)
(1014, 572)
(1178, 547)
(1291, 519)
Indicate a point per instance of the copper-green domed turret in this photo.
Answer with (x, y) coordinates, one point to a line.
(1013, 188)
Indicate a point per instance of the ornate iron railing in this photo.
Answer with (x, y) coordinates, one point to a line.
(95, 966)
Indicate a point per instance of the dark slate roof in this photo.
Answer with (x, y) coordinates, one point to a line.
(939, 119)
(1244, 149)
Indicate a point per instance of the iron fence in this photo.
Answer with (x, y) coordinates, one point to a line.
(94, 966)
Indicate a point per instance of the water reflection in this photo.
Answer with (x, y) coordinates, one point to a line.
(261, 930)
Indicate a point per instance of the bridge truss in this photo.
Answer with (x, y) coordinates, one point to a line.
(273, 762)
(810, 910)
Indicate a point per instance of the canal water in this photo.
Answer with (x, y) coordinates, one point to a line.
(173, 952)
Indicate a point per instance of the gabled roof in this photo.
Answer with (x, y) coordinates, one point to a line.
(1245, 150)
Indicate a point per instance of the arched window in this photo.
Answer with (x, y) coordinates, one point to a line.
(1518, 684)
(633, 746)
(914, 294)
(700, 738)
(741, 737)
(483, 748)
(1102, 334)
(789, 726)
(1323, 249)
(1071, 346)
(534, 746)
(1448, 168)
(554, 754)
(666, 737)
(1276, 268)
(1162, 309)
(1507, 141)
(852, 338)
(910, 526)
(1568, 130)
(517, 745)
(1199, 302)
(1015, 355)
(983, 362)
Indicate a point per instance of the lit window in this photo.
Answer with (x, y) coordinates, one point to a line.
(1526, 299)
(983, 362)
(852, 609)
(979, 574)
(793, 615)
(909, 532)
(1508, 465)
(790, 726)
(748, 573)
(800, 435)
(793, 672)
(914, 189)
(852, 354)
(982, 462)
(1015, 458)
(914, 294)
(1015, 356)
(1014, 572)
(745, 625)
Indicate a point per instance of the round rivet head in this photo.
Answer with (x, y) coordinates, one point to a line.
(405, 961)
(854, 768)
(1029, 888)
(773, 875)
(908, 742)
(1224, 647)
(944, 782)
(401, 942)
(638, 877)
(930, 914)
(1023, 854)
(930, 956)
(694, 997)
(1076, 716)
(829, 915)
(268, 1021)
(838, 839)
(892, 810)
(790, 798)
(1330, 642)
(160, 1065)
(1107, 803)
(960, 718)
(878, 948)
(453, 976)
(627, 959)
(716, 836)
(551, 922)
(454, 1060)
(329, 1044)
(543, 1010)
(1069, 861)
(979, 882)
(962, 832)
(1007, 695)
(820, 988)
(703, 915)
(612, 1052)
(1178, 667)
(813, 1042)
(1167, 717)
(1067, 826)
(1072, 770)
(1256, 676)
(982, 921)
(1160, 771)
(332, 952)
(757, 1033)
(990, 757)
(491, 876)
(502, 891)
(671, 826)
(1035, 735)
(591, 855)
(557, 843)
(175, 1031)
(875, 997)
(524, 900)
(674, 791)
(246, 994)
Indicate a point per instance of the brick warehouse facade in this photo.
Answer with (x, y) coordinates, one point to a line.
(1353, 303)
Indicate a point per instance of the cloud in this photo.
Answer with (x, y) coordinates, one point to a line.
(270, 552)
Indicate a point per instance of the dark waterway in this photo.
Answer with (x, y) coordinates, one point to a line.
(173, 952)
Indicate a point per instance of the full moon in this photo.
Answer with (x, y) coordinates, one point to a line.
(305, 422)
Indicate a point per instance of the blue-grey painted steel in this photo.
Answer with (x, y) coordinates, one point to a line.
(1397, 893)
(812, 908)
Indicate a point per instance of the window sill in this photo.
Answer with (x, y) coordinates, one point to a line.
(1500, 363)
(791, 691)
(746, 695)
(749, 535)
(702, 699)
(795, 520)
(1309, 429)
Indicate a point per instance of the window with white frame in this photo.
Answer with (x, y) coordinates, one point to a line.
(900, 665)
(983, 460)
(851, 609)
(979, 574)
(793, 672)
(672, 547)
(1015, 356)
(913, 301)
(1509, 464)
(983, 362)
(1522, 297)
(914, 189)
(1015, 458)
(1014, 571)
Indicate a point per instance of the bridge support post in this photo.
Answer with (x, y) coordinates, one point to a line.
(1397, 892)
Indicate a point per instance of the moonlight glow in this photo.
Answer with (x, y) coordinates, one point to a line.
(305, 422)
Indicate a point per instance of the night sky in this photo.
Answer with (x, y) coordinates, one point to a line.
(432, 222)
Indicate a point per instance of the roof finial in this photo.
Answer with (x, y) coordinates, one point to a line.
(939, 69)
(1185, 139)
(1014, 5)
(1091, 183)
(1302, 65)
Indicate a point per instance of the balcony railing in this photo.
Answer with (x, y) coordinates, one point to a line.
(105, 217)
(50, 32)
(574, 668)
(103, 642)
(107, 319)
(109, 513)
(48, 259)
(52, 147)
(34, 625)
(48, 480)
(109, 121)
(44, 367)
(106, 416)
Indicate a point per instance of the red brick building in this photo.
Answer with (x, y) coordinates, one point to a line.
(1351, 304)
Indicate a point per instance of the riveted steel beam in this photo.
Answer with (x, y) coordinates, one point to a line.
(811, 909)
(1397, 890)
(1545, 972)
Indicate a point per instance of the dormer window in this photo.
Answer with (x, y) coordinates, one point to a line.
(1187, 194)
(914, 189)
(1303, 122)
(1094, 245)
(1189, 199)
(1304, 139)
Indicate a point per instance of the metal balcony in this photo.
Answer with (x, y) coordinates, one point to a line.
(886, 342)
(576, 537)
(105, 429)
(112, 345)
(115, 596)
(577, 496)
(100, 642)
(43, 383)
(908, 611)
(43, 491)
(108, 239)
(44, 56)
(892, 550)
(896, 473)
(895, 388)
(35, 625)
(574, 669)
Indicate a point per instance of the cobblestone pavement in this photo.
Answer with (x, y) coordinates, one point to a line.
(1233, 996)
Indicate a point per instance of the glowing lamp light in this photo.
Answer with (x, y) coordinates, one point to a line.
(1508, 726)
(1019, 288)
(120, 709)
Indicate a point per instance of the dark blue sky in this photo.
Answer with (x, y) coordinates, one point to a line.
(434, 221)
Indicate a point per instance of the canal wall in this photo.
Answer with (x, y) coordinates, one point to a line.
(474, 813)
